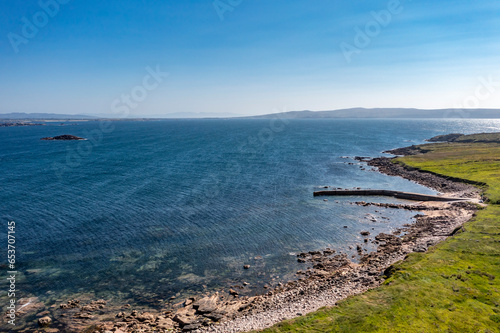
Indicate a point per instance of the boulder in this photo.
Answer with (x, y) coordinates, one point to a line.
(146, 316)
(191, 327)
(83, 315)
(207, 304)
(44, 321)
(189, 301)
(165, 323)
(185, 320)
(216, 316)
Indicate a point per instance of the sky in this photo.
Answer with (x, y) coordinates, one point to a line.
(147, 58)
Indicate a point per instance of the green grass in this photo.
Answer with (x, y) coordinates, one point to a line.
(481, 137)
(454, 287)
(479, 162)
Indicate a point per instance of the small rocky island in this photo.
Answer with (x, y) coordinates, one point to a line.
(64, 137)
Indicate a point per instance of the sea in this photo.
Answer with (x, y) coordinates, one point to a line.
(144, 211)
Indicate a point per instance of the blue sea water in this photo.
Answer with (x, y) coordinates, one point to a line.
(146, 210)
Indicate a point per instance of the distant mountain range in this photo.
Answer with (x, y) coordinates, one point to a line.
(387, 113)
(403, 113)
(199, 115)
(178, 115)
(19, 115)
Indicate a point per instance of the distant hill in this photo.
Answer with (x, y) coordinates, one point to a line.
(343, 113)
(178, 115)
(387, 113)
(185, 115)
(19, 115)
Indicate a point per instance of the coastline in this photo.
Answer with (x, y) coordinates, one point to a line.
(333, 277)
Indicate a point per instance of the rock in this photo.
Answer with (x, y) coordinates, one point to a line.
(215, 316)
(328, 252)
(70, 304)
(365, 233)
(233, 292)
(245, 305)
(319, 266)
(207, 304)
(89, 307)
(191, 327)
(185, 320)
(246, 266)
(83, 315)
(420, 248)
(146, 316)
(301, 260)
(44, 321)
(64, 137)
(165, 323)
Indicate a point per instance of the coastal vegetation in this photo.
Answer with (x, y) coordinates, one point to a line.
(455, 285)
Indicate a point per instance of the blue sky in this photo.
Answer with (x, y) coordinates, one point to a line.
(257, 57)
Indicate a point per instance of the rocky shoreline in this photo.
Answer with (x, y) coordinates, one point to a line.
(327, 276)
(19, 124)
(458, 188)
(334, 277)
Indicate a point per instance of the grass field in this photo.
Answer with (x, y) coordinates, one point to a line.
(455, 286)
